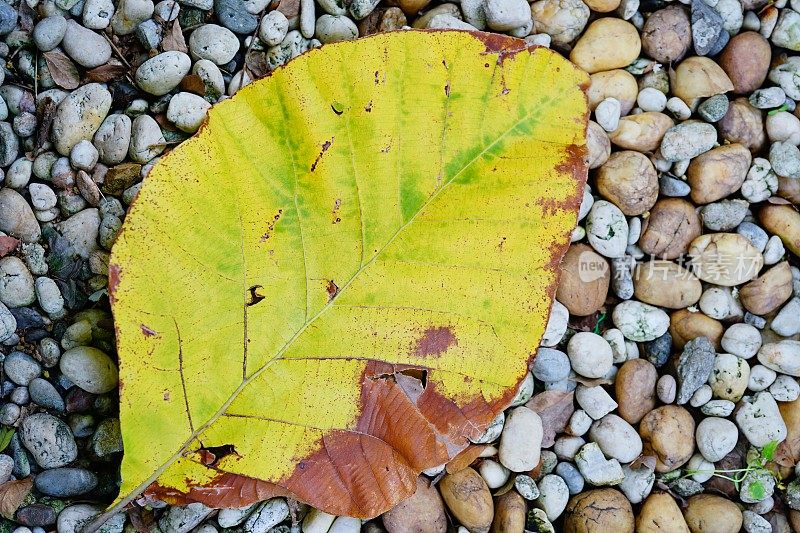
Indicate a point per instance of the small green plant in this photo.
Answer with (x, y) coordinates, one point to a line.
(775, 111)
(599, 321)
(6, 434)
(756, 463)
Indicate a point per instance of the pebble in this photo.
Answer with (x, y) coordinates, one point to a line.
(607, 229)
(616, 438)
(596, 469)
(760, 420)
(608, 43)
(640, 322)
(21, 368)
(84, 46)
(589, 354)
(182, 519)
(521, 441)
(90, 369)
(162, 73)
(44, 394)
(607, 114)
(729, 377)
(666, 389)
(504, 15)
(667, 432)
(638, 482)
(187, 111)
(761, 378)
(65, 482)
(233, 15)
(16, 216)
(550, 365)
(753, 523)
(785, 389)
(79, 115)
(267, 515)
(147, 140)
(48, 32)
(782, 356)
(716, 437)
(595, 401)
(553, 496)
(49, 440)
(687, 140)
(16, 283)
(214, 43)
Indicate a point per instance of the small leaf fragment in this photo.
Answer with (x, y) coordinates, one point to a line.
(12, 494)
(62, 69)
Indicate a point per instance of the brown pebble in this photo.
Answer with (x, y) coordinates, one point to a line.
(423, 512)
(746, 60)
(629, 181)
(767, 293)
(668, 433)
(685, 325)
(673, 224)
(718, 172)
(667, 34)
(635, 389)
(743, 124)
(585, 276)
(598, 510)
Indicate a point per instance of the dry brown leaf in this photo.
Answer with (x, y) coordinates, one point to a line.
(62, 69)
(110, 71)
(554, 407)
(256, 64)
(46, 112)
(142, 519)
(7, 245)
(173, 39)
(12, 494)
(193, 84)
(465, 458)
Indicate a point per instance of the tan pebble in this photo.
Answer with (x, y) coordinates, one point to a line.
(709, 513)
(660, 514)
(635, 389)
(607, 43)
(685, 325)
(673, 224)
(509, 513)
(629, 181)
(743, 124)
(598, 510)
(562, 20)
(442, 9)
(642, 132)
(699, 77)
(783, 221)
(668, 433)
(666, 284)
(725, 259)
(469, 500)
(767, 293)
(619, 84)
(718, 172)
(602, 6)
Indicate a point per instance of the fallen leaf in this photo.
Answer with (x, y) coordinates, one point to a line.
(7, 245)
(173, 39)
(362, 216)
(142, 519)
(47, 112)
(554, 407)
(256, 63)
(62, 69)
(104, 73)
(465, 458)
(194, 84)
(12, 494)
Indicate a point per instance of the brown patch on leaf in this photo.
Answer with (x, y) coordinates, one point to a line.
(147, 332)
(62, 69)
(325, 146)
(7, 245)
(332, 289)
(435, 341)
(12, 494)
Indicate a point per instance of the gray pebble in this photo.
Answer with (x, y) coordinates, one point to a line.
(233, 15)
(21, 368)
(43, 393)
(550, 365)
(65, 482)
(724, 215)
(84, 46)
(49, 440)
(48, 32)
(767, 98)
(714, 108)
(571, 476)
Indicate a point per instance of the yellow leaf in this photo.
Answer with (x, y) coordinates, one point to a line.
(344, 275)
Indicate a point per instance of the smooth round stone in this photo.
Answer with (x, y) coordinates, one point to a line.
(20, 396)
(335, 28)
(6, 466)
(550, 365)
(215, 43)
(84, 156)
(21, 368)
(556, 324)
(713, 109)
(505, 15)
(43, 393)
(65, 482)
(716, 437)
(521, 441)
(90, 369)
(49, 296)
(84, 46)
(74, 517)
(590, 354)
(16, 283)
(526, 487)
(760, 420)
(130, 14)
(687, 140)
(162, 73)
(147, 140)
(651, 99)
(493, 473)
(8, 18)
(616, 438)
(233, 15)
(755, 234)
(187, 111)
(729, 378)
(720, 408)
(783, 357)
(49, 31)
(49, 440)
(666, 389)
(785, 389)
(640, 322)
